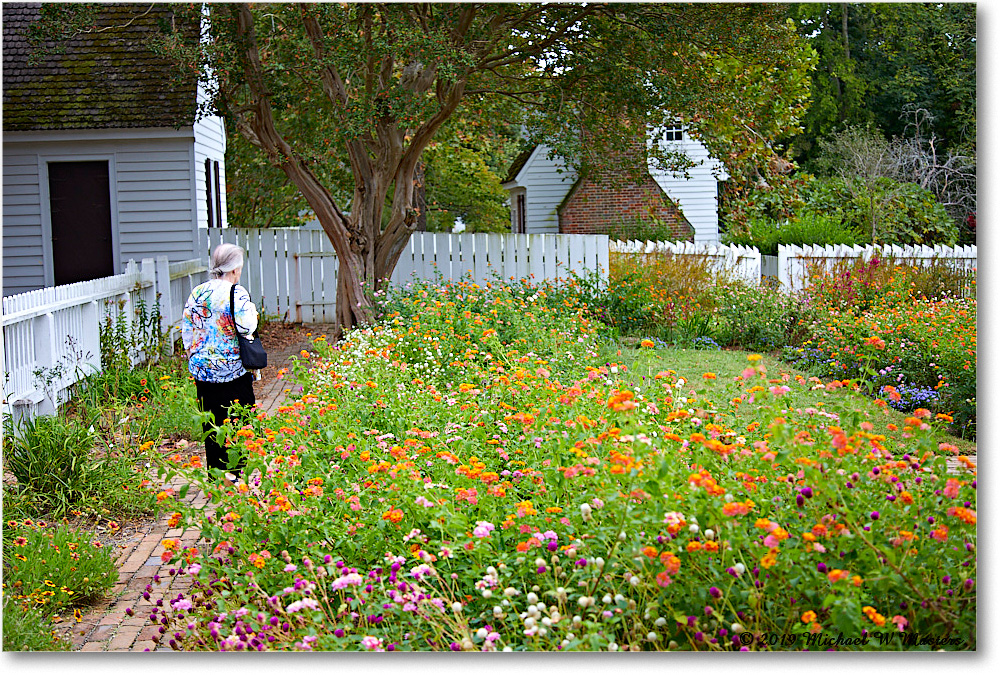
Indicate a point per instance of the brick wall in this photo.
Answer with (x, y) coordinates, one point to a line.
(595, 207)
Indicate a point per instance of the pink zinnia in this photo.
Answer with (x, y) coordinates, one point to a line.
(483, 529)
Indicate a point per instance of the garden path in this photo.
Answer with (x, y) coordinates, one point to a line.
(105, 626)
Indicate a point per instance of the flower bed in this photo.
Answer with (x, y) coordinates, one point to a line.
(470, 475)
(877, 323)
(48, 569)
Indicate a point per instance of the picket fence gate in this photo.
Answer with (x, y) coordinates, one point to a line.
(51, 336)
(291, 273)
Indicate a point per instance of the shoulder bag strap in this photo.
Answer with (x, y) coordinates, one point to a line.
(232, 306)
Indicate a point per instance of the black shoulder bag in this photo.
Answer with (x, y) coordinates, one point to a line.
(252, 352)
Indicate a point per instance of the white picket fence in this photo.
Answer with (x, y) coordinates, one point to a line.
(54, 333)
(794, 262)
(743, 262)
(292, 272)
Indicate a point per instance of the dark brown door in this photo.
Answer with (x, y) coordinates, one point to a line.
(80, 204)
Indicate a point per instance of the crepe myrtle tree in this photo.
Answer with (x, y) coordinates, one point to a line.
(367, 86)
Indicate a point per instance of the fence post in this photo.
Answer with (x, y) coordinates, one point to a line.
(297, 292)
(161, 287)
(45, 354)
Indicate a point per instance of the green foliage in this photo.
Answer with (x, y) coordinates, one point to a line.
(807, 229)
(907, 214)
(51, 456)
(57, 473)
(656, 294)
(28, 630)
(463, 183)
(886, 59)
(125, 340)
(757, 317)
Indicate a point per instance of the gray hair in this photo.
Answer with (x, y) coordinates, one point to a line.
(226, 258)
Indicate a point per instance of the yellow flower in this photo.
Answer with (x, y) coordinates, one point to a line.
(753, 358)
(809, 617)
(647, 343)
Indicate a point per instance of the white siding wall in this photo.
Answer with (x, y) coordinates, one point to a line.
(154, 213)
(697, 196)
(209, 142)
(545, 188)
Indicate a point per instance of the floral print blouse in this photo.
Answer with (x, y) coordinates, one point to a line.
(207, 331)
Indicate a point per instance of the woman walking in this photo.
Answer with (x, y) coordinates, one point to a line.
(208, 331)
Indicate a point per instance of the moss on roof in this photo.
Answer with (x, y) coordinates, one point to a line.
(518, 164)
(101, 80)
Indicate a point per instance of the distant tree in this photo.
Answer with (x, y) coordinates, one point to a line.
(877, 61)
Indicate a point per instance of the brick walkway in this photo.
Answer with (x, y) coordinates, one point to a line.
(106, 627)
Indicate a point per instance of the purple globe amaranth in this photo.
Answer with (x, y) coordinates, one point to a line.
(874, 515)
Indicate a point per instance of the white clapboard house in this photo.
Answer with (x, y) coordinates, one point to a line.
(104, 159)
(547, 196)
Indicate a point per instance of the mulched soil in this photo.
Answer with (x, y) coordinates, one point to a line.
(281, 341)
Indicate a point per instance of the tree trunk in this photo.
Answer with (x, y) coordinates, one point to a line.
(420, 197)
(843, 31)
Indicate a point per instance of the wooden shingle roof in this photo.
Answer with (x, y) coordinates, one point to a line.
(99, 80)
(518, 164)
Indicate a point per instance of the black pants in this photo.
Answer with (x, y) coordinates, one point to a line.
(216, 397)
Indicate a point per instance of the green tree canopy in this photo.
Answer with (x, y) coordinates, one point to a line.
(880, 62)
(317, 87)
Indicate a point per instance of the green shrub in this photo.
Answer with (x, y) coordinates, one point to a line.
(51, 456)
(655, 294)
(756, 317)
(906, 213)
(807, 229)
(57, 472)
